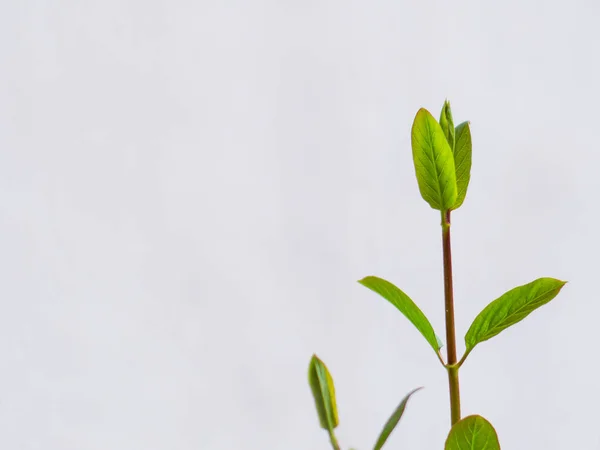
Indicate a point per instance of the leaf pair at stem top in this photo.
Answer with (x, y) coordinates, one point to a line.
(442, 157)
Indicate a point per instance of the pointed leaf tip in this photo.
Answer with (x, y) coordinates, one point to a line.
(390, 425)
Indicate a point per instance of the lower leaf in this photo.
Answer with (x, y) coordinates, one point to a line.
(472, 433)
(323, 390)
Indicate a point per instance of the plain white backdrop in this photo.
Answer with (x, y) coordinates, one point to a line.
(189, 191)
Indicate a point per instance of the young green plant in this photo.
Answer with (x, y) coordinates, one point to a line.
(442, 159)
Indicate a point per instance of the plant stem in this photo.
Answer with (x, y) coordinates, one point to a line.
(450, 328)
(334, 442)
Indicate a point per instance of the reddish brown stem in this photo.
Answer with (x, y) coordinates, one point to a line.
(453, 382)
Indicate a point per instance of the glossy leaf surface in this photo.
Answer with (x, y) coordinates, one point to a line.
(511, 308)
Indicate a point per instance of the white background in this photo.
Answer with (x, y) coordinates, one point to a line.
(189, 191)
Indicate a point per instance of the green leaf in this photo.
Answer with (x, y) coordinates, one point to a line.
(510, 308)
(447, 124)
(462, 161)
(393, 421)
(323, 392)
(472, 433)
(405, 305)
(434, 162)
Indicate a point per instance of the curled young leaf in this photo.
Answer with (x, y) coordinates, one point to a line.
(434, 162)
(405, 305)
(447, 124)
(323, 390)
(393, 421)
(472, 433)
(511, 308)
